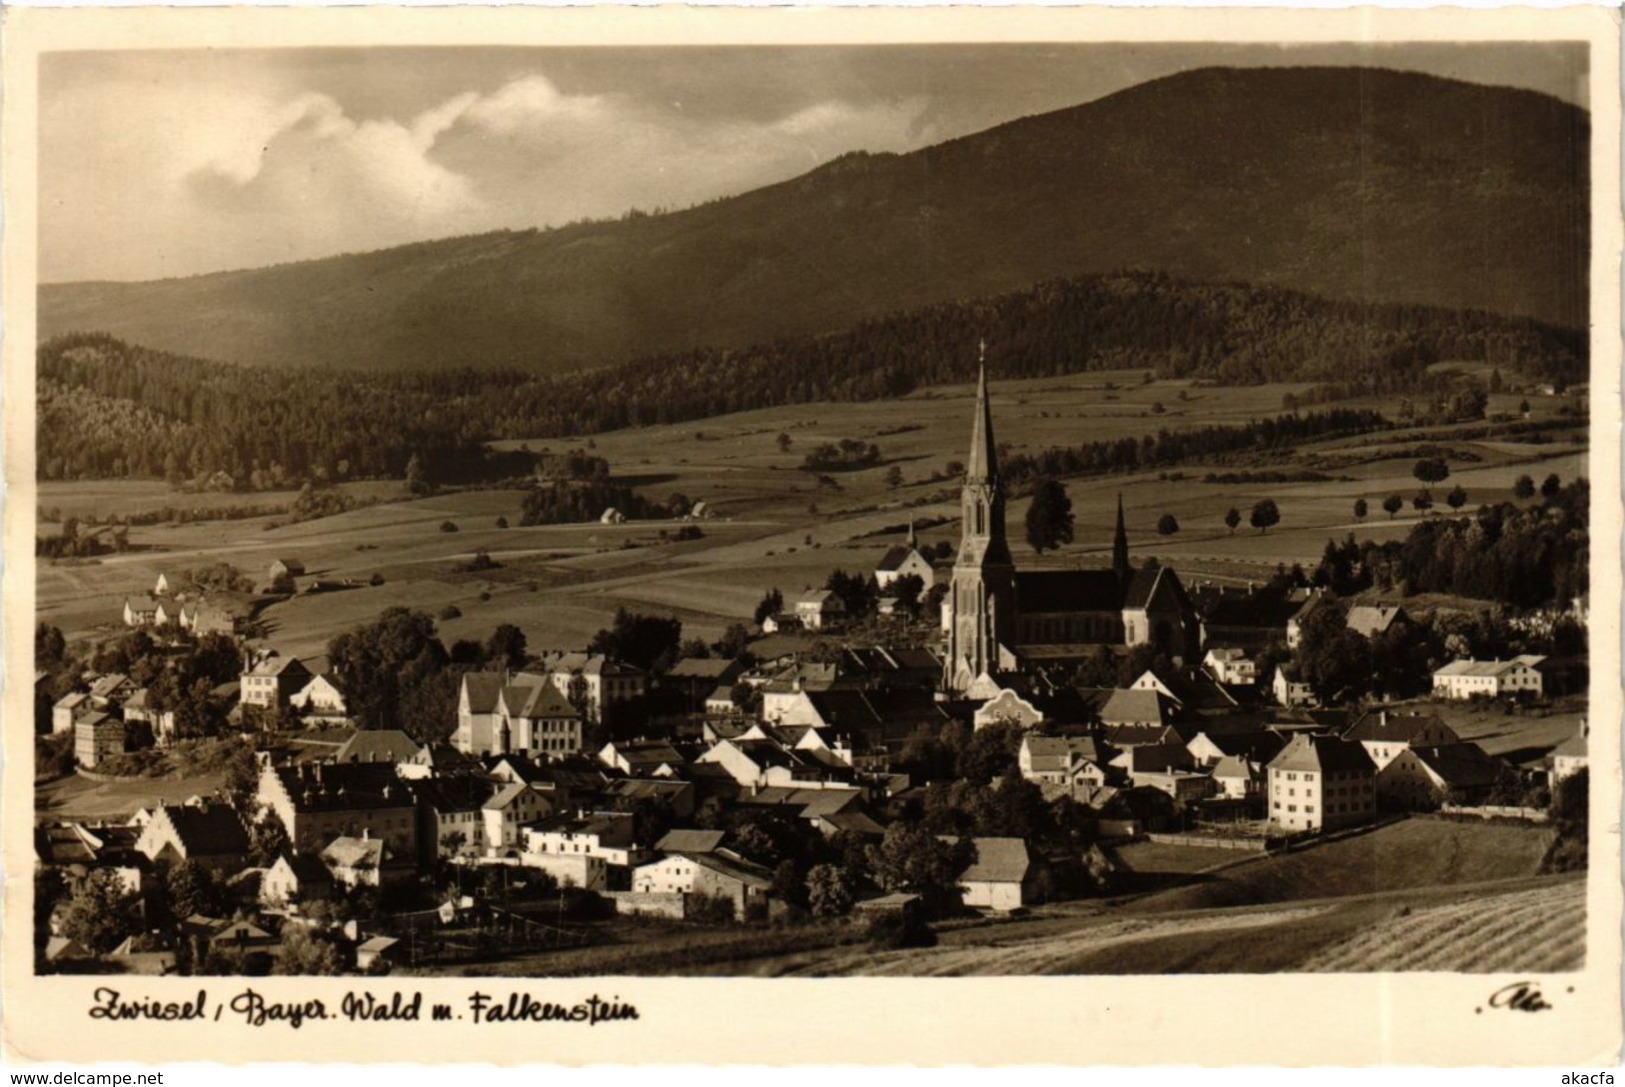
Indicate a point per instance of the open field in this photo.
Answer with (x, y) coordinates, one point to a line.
(775, 525)
(78, 798)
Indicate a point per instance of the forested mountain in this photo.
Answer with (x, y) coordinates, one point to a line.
(1356, 184)
(107, 408)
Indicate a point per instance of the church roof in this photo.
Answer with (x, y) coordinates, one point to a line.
(1068, 590)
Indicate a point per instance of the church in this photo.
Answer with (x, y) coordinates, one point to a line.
(999, 619)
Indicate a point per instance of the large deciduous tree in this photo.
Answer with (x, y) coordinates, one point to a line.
(1049, 517)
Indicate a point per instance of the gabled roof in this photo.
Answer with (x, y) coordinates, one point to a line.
(1462, 766)
(1325, 754)
(1136, 735)
(71, 700)
(141, 602)
(894, 558)
(463, 793)
(345, 786)
(1135, 706)
(1488, 668)
(276, 665)
(614, 830)
(998, 860)
(506, 795)
(1576, 746)
(1148, 582)
(690, 841)
(306, 868)
(483, 689)
(1232, 766)
(106, 685)
(378, 745)
(1369, 619)
(734, 867)
(350, 852)
(1389, 727)
(537, 700)
(821, 597)
(210, 831)
(713, 669)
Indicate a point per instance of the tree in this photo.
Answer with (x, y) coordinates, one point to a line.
(1334, 660)
(784, 441)
(1360, 509)
(1265, 513)
(734, 641)
(502, 522)
(1431, 470)
(1457, 497)
(100, 914)
(906, 591)
(647, 641)
(1393, 504)
(267, 838)
(1523, 408)
(829, 891)
(1524, 488)
(1049, 517)
(1550, 486)
(1167, 525)
(1422, 501)
(911, 858)
(1232, 518)
(414, 475)
(384, 663)
(894, 477)
(772, 603)
(306, 954)
(507, 647)
(195, 888)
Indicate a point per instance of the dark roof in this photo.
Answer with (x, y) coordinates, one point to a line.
(714, 669)
(378, 745)
(1462, 766)
(447, 794)
(1255, 745)
(307, 868)
(348, 786)
(1269, 608)
(1148, 581)
(690, 841)
(1042, 591)
(1395, 727)
(1327, 754)
(211, 831)
(483, 689)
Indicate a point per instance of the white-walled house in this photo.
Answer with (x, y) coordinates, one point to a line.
(1321, 783)
(1464, 679)
(1230, 666)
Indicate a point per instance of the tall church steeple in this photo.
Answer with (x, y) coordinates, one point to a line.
(981, 596)
(1120, 561)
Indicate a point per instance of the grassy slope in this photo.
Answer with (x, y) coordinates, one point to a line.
(1347, 182)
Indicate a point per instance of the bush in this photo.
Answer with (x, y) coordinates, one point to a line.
(376, 579)
(450, 611)
(448, 526)
(894, 931)
(713, 909)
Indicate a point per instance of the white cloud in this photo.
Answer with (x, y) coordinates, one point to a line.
(157, 176)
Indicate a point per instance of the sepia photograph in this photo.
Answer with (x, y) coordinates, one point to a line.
(901, 508)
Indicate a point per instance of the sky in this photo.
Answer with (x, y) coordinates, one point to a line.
(156, 164)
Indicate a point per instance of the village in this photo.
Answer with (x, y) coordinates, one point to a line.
(990, 758)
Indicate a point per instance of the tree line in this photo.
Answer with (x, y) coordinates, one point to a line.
(109, 409)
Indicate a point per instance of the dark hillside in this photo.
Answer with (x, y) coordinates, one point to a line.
(1356, 184)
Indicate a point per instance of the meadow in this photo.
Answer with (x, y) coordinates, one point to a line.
(774, 524)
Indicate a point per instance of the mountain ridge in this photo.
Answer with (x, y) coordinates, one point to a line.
(1349, 182)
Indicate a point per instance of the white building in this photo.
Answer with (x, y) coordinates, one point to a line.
(1231, 666)
(1465, 679)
